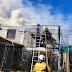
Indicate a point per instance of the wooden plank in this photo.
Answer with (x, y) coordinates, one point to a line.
(46, 49)
(4, 43)
(51, 52)
(67, 61)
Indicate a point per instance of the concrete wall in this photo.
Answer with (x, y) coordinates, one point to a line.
(19, 36)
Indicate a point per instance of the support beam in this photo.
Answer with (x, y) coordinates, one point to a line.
(46, 50)
(51, 52)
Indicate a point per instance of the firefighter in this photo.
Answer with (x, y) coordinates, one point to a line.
(46, 33)
(41, 66)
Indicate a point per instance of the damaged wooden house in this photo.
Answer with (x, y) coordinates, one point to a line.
(32, 40)
(43, 39)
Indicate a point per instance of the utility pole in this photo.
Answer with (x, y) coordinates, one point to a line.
(61, 37)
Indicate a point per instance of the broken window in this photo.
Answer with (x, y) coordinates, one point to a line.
(11, 33)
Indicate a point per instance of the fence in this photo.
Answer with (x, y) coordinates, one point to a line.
(11, 59)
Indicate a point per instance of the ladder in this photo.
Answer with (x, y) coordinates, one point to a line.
(36, 53)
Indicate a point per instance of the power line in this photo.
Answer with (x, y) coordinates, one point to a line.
(48, 18)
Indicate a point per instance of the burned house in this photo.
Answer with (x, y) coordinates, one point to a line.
(38, 30)
(10, 54)
(11, 46)
(25, 34)
(40, 38)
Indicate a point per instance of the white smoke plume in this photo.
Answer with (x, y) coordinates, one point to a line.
(13, 12)
(16, 18)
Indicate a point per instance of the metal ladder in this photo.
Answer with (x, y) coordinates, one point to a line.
(36, 53)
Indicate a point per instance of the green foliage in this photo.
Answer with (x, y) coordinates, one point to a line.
(24, 63)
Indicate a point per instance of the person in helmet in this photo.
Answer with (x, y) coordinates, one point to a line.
(41, 66)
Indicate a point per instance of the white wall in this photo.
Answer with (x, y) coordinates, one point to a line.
(19, 36)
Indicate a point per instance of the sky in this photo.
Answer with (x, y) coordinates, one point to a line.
(44, 12)
(49, 12)
(65, 6)
(54, 12)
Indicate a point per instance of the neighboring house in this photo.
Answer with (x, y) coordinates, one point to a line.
(12, 33)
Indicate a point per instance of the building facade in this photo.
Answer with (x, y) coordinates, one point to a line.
(24, 35)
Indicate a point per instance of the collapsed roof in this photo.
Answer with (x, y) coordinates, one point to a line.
(4, 41)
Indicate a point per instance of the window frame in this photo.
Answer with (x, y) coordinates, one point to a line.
(14, 33)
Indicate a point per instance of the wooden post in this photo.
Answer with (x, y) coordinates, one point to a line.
(27, 43)
(67, 61)
(46, 49)
(27, 39)
(64, 61)
(51, 51)
(68, 65)
(31, 42)
(31, 45)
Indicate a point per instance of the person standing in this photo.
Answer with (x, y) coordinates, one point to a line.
(41, 66)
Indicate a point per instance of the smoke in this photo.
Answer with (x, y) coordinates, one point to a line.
(16, 18)
(16, 13)
(41, 14)
(6, 6)
(11, 13)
